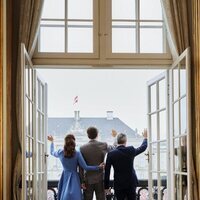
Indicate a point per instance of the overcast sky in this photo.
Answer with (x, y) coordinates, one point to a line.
(122, 91)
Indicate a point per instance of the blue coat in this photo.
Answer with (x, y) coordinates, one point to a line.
(69, 187)
(122, 160)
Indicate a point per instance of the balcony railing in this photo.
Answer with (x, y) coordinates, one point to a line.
(142, 190)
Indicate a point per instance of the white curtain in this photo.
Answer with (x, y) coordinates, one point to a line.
(30, 15)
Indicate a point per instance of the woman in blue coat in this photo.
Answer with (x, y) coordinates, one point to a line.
(69, 187)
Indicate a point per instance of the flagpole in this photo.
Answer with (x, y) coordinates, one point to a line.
(75, 103)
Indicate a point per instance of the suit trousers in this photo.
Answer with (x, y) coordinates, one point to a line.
(126, 194)
(98, 188)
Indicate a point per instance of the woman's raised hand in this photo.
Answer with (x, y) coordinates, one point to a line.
(50, 138)
(102, 165)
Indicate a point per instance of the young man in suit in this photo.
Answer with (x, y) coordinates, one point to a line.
(122, 159)
(94, 152)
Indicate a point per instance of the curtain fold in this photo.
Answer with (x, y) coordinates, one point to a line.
(30, 15)
(176, 21)
(176, 18)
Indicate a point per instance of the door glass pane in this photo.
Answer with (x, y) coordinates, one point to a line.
(27, 117)
(30, 84)
(125, 30)
(154, 182)
(42, 128)
(154, 157)
(29, 168)
(163, 125)
(154, 127)
(80, 9)
(40, 183)
(146, 8)
(43, 161)
(27, 152)
(38, 94)
(176, 119)
(153, 98)
(27, 78)
(123, 9)
(42, 97)
(31, 120)
(38, 157)
(182, 81)
(54, 9)
(163, 189)
(183, 116)
(38, 126)
(163, 157)
(80, 37)
(180, 187)
(151, 37)
(52, 37)
(162, 94)
(175, 84)
(29, 155)
(29, 187)
(180, 154)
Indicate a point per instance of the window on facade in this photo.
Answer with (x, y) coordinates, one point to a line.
(129, 27)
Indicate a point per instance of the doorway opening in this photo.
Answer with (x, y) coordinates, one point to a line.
(105, 98)
(167, 113)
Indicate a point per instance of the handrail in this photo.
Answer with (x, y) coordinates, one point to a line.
(142, 186)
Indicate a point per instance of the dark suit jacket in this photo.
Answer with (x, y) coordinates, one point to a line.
(122, 160)
(94, 153)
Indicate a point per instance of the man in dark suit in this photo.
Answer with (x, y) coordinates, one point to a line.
(94, 152)
(122, 158)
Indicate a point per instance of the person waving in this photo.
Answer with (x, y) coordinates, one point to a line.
(69, 186)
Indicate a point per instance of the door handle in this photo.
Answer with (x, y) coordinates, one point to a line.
(45, 157)
(148, 155)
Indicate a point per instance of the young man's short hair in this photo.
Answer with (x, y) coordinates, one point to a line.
(121, 138)
(92, 132)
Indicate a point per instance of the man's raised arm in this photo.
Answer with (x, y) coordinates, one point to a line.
(114, 146)
(143, 146)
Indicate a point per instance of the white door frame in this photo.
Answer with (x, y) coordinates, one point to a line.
(31, 156)
(170, 124)
(155, 81)
(41, 136)
(27, 155)
(185, 55)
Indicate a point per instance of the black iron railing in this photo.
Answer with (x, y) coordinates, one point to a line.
(142, 190)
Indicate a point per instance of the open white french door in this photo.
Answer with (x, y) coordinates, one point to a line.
(34, 123)
(169, 125)
(180, 132)
(158, 141)
(41, 136)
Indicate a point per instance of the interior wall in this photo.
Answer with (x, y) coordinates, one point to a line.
(14, 51)
(15, 46)
(5, 99)
(7, 147)
(1, 96)
(194, 10)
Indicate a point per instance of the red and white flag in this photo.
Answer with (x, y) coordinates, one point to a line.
(75, 100)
